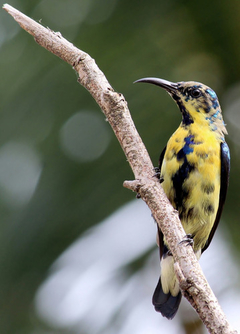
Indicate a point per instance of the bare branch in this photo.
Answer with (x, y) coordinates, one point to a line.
(114, 106)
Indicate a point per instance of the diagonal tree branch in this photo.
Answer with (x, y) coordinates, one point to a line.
(192, 281)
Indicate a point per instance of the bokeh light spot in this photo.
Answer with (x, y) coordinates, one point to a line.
(85, 136)
(20, 169)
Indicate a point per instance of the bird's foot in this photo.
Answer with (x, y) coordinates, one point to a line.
(157, 174)
(188, 240)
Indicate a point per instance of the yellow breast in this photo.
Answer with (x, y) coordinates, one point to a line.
(191, 174)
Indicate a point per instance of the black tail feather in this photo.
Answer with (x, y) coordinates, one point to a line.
(164, 303)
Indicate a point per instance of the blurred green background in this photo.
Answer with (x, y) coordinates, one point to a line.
(53, 185)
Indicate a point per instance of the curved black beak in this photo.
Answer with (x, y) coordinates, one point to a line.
(169, 86)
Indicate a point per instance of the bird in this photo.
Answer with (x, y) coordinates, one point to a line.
(194, 173)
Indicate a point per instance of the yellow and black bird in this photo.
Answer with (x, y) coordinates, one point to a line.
(194, 173)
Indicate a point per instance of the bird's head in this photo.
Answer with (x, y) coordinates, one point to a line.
(197, 102)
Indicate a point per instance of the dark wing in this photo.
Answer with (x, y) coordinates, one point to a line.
(161, 158)
(160, 235)
(225, 169)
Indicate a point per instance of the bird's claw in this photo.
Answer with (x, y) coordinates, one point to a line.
(158, 174)
(188, 240)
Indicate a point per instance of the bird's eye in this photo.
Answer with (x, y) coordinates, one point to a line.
(195, 93)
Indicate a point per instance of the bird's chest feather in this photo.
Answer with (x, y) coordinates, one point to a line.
(191, 177)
